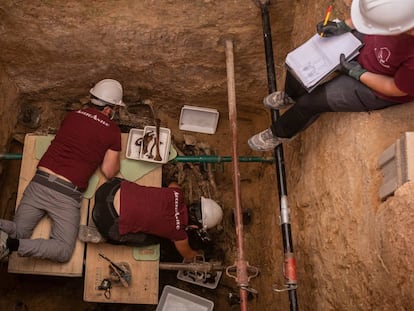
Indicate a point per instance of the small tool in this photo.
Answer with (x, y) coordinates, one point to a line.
(123, 275)
(106, 286)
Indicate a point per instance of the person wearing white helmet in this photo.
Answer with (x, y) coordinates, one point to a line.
(87, 139)
(131, 214)
(381, 76)
(107, 94)
(383, 17)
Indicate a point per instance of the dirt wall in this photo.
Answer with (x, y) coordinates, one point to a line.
(8, 109)
(353, 249)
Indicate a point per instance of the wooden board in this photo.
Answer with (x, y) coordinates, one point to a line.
(143, 288)
(28, 265)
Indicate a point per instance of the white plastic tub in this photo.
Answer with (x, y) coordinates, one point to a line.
(194, 278)
(198, 119)
(135, 146)
(175, 299)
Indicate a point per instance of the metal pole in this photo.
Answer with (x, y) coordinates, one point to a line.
(241, 264)
(289, 259)
(192, 266)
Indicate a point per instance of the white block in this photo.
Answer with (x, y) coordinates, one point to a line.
(397, 165)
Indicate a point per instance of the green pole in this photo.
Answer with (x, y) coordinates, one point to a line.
(192, 159)
(11, 156)
(219, 159)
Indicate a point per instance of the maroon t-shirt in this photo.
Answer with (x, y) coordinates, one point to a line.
(391, 56)
(80, 145)
(157, 211)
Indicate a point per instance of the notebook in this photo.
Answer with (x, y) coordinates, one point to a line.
(313, 62)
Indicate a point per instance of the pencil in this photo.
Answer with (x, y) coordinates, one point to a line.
(327, 15)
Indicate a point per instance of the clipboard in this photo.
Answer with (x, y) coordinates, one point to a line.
(314, 62)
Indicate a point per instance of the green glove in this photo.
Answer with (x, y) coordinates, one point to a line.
(332, 28)
(352, 68)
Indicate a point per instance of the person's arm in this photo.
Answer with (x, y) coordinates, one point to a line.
(110, 165)
(376, 82)
(173, 184)
(183, 247)
(382, 84)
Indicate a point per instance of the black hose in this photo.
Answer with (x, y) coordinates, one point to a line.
(290, 265)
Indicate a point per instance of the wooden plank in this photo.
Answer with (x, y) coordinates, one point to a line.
(143, 288)
(144, 282)
(28, 265)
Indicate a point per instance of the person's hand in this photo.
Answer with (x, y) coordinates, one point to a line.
(352, 68)
(332, 28)
(196, 255)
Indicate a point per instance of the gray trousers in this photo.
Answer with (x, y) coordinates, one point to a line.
(64, 211)
(342, 94)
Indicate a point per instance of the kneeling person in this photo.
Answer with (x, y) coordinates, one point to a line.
(131, 214)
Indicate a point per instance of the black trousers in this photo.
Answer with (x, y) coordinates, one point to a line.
(106, 218)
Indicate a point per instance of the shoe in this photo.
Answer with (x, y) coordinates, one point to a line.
(278, 100)
(4, 251)
(89, 234)
(265, 141)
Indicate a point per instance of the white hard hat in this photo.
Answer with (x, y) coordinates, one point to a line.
(211, 213)
(107, 92)
(382, 17)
